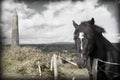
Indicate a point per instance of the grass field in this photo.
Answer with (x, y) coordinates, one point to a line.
(21, 63)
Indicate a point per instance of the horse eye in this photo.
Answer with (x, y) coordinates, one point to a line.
(75, 37)
(88, 36)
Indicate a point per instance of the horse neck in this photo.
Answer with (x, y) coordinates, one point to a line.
(100, 49)
(104, 49)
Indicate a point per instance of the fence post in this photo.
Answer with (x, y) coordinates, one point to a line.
(55, 67)
(51, 64)
(39, 68)
(94, 69)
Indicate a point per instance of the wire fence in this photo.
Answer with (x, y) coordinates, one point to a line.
(106, 62)
(109, 63)
(94, 69)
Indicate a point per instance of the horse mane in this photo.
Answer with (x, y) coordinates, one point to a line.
(99, 29)
(108, 45)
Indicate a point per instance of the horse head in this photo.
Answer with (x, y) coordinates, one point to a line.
(84, 37)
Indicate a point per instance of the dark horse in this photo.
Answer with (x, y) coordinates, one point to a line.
(91, 44)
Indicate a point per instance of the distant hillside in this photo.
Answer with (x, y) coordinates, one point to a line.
(59, 47)
(64, 48)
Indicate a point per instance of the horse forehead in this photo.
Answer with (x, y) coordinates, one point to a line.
(81, 35)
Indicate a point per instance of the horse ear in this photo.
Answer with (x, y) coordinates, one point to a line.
(75, 24)
(92, 21)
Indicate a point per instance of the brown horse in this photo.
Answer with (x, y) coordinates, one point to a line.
(91, 44)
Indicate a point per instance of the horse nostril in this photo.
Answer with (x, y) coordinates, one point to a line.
(84, 59)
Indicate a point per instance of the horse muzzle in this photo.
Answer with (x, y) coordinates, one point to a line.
(81, 63)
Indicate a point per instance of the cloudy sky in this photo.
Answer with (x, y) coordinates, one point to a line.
(51, 22)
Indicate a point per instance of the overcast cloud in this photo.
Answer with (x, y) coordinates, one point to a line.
(53, 22)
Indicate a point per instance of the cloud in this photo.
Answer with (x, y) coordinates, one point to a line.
(54, 24)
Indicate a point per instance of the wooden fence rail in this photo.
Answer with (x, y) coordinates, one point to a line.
(53, 66)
